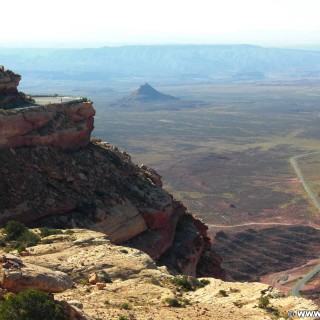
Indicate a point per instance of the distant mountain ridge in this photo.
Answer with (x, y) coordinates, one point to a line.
(160, 61)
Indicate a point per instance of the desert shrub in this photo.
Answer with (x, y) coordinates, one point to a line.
(238, 304)
(45, 232)
(189, 283)
(21, 248)
(223, 293)
(263, 302)
(172, 302)
(104, 277)
(122, 318)
(14, 230)
(31, 305)
(184, 302)
(18, 236)
(29, 239)
(84, 281)
(155, 281)
(205, 282)
(183, 282)
(125, 306)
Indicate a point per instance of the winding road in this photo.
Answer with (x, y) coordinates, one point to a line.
(301, 283)
(296, 289)
(293, 160)
(300, 175)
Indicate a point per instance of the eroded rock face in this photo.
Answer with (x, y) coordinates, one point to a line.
(61, 126)
(9, 81)
(9, 95)
(98, 187)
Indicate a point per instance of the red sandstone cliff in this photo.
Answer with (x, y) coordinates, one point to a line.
(56, 125)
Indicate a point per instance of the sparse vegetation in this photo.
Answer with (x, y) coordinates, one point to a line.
(238, 304)
(14, 230)
(205, 282)
(104, 277)
(45, 232)
(31, 305)
(83, 281)
(172, 302)
(263, 302)
(176, 303)
(186, 283)
(155, 281)
(18, 236)
(223, 293)
(125, 306)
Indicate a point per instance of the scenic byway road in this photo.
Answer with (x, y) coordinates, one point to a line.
(304, 183)
(296, 289)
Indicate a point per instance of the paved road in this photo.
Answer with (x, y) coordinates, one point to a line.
(296, 289)
(293, 160)
(300, 175)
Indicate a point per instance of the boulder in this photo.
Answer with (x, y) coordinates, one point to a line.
(16, 276)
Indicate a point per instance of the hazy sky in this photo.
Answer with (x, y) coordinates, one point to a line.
(78, 23)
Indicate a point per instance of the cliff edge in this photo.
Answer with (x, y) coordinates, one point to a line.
(51, 174)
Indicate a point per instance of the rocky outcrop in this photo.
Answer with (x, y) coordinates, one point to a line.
(9, 95)
(56, 125)
(16, 276)
(98, 187)
(52, 175)
(130, 278)
(9, 81)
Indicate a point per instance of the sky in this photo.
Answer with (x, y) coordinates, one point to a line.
(96, 23)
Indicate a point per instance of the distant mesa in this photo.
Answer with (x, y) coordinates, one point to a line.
(148, 98)
(148, 93)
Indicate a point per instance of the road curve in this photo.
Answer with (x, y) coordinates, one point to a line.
(300, 175)
(297, 287)
(295, 291)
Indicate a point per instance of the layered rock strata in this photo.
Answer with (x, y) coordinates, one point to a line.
(56, 125)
